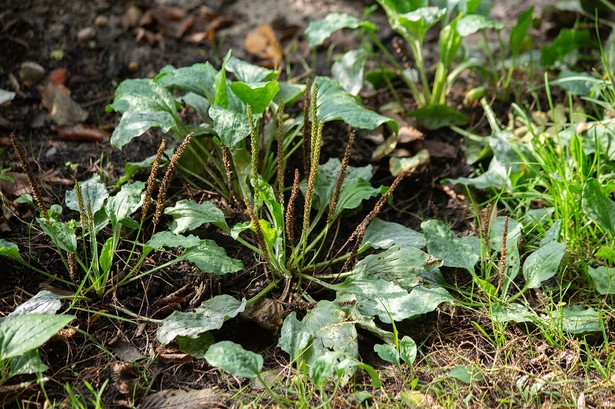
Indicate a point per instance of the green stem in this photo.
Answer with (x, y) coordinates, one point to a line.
(262, 293)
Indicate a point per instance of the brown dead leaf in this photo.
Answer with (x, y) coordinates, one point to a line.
(125, 377)
(82, 133)
(409, 134)
(263, 43)
(55, 97)
(268, 313)
(439, 149)
(179, 399)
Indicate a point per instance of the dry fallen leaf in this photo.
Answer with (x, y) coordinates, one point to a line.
(263, 43)
(179, 399)
(82, 133)
(63, 110)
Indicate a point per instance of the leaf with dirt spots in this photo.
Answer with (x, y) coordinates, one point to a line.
(443, 244)
(210, 315)
(45, 302)
(381, 234)
(603, 278)
(543, 264)
(232, 127)
(23, 333)
(318, 31)
(93, 192)
(249, 73)
(144, 104)
(189, 215)
(234, 359)
(197, 78)
(336, 104)
(125, 202)
(326, 326)
(211, 258)
(576, 320)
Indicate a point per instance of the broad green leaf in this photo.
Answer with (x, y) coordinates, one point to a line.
(62, 234)
(399, 265)
(23, 333)
(348, 71)
(232, 127)
(496, 177)
(10, 250)
(412, 164)
(27, 363)
(106, 255)
(407, 350)
(519, 31)
(197, 78)
(577, 83)
(353, 194)
(416, 23)
(210, 315)
(603, 278)
(330, 330)
(552, 234)
(466, 373)
(234, 359)
(188, 215)
(167, 239)
(439, 116)
(577, 320)
(424, 299)
(567, 40)
(265, 192)
(211, 258)
(387, 300)
(387, 353)
(247, 72)
(318, 31)
(543, 264)
(443, 244)
(197, 347)
(134, 124)
(294, 338)
(125, 202)
(512, 312)
(258, 95)
(336, 104)
(324, 366)
(472, 23)
(381, 234)
(496, 232)
(94, 194)
(326, 178)
(290, 93)
(142, 95)
(44, 302)
(143, 103)
(220, 84)
(598, 205)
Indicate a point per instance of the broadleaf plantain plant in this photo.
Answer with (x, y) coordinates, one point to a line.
(219, 155)
(299, 253)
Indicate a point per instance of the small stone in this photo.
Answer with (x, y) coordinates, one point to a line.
(101, 21)
(86, 34)
(31, 73)
(133, 66)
